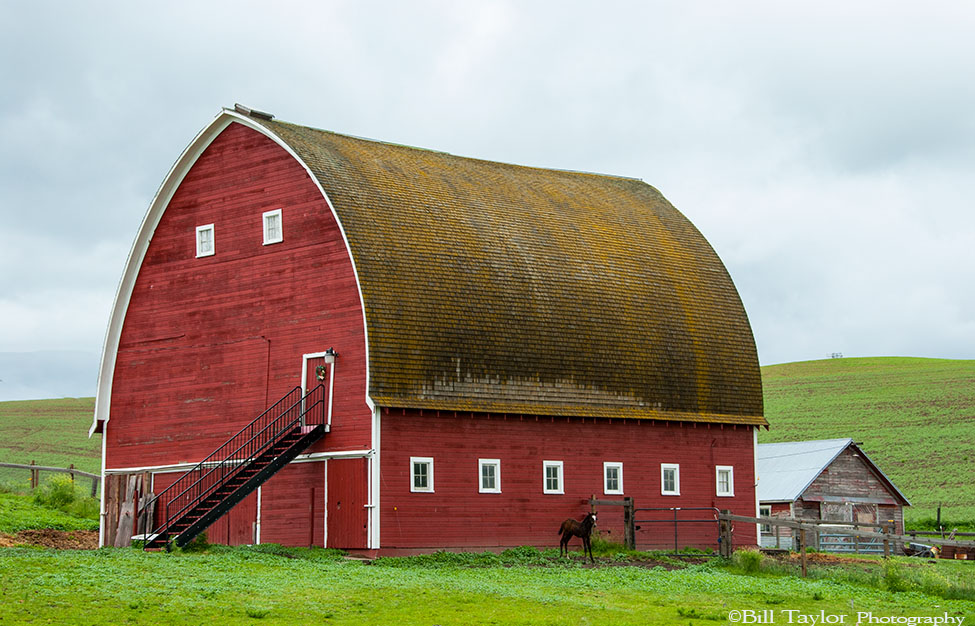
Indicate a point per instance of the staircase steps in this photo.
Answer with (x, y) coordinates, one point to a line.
(215, 485)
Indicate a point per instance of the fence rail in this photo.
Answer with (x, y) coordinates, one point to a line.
(35, 474)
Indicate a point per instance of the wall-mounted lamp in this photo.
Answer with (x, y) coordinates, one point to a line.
(330, 355)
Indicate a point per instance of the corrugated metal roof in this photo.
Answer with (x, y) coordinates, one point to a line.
(502, 288)
(786, 469)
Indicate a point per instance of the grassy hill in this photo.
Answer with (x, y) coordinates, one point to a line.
(50, 432)
(915, 417)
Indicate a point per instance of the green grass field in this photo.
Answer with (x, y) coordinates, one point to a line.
(271, 585)
(49, 432)
(915, 417)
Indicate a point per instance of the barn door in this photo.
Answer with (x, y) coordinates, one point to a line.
(312, 372)
(347, 498)
(865, 513)
(236, 527)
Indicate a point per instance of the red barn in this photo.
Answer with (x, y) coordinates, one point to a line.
(509, 341)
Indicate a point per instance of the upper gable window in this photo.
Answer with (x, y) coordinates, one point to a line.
(273, 230)
(204, 240)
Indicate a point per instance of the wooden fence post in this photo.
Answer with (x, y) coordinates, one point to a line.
(629, 524)
(35, 476)
(802, 550)
(886, 531)
(724, 535)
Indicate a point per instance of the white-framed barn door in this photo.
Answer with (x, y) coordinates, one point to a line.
(315, 371)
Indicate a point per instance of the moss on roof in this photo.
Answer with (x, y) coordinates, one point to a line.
(502, 288)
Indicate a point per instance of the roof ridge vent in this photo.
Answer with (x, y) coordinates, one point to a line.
(262, 115)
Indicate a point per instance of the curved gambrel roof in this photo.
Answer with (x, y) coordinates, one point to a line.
(502, 288)
(494, 287)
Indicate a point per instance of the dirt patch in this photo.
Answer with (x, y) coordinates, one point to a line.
(825, 558)
(47, 538)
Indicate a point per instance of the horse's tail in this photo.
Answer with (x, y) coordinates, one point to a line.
(562, 527)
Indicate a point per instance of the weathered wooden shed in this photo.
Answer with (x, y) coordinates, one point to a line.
(495, 343)
(828, 479)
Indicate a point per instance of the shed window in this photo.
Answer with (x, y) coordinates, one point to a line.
(552, 477)
(422, 474)
(765, 511)
(489, 471)
(725, 478)
(612, 478)
(273, 231)
(204, 240)
(670, 479)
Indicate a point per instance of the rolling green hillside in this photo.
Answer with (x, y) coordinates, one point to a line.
(914, 417)
(50, 432)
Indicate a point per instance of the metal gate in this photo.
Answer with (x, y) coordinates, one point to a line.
(675, 528)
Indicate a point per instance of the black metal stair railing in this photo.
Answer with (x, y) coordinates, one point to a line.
(220, 475)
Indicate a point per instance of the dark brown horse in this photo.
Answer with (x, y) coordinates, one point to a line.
(571, 528)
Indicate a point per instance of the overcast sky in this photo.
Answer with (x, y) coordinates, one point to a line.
(826, 152)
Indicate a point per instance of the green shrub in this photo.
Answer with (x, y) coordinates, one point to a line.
(894, 578)
(57, 493)
(198, 544)
(748, 561)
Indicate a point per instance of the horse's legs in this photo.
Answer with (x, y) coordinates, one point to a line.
(587, 547)
(564, 545)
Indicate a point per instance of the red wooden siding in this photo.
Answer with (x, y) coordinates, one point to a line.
(293, 506)
(457, 516)
(347, 499)
(237, 527)
(208, 343)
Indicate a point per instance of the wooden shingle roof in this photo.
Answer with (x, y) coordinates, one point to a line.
(501, 288)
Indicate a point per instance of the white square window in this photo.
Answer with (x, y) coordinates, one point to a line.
(204, 240)
(273, 229)
(421, 474)
(552, 477)
(489, 473)
(613, 478)
(670, 479)
(725, 479)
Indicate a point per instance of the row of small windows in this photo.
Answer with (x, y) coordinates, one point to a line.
(489, 477)
(273, 233)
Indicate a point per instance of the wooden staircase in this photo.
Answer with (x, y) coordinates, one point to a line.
(248, 459)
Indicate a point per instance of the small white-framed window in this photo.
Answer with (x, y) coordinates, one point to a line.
(765, 511)
(489, 475)
(670, 479)
(273, 227)
(612, 478)
(725, 480)
(421, 474)
(552, 477)
(204, 240)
